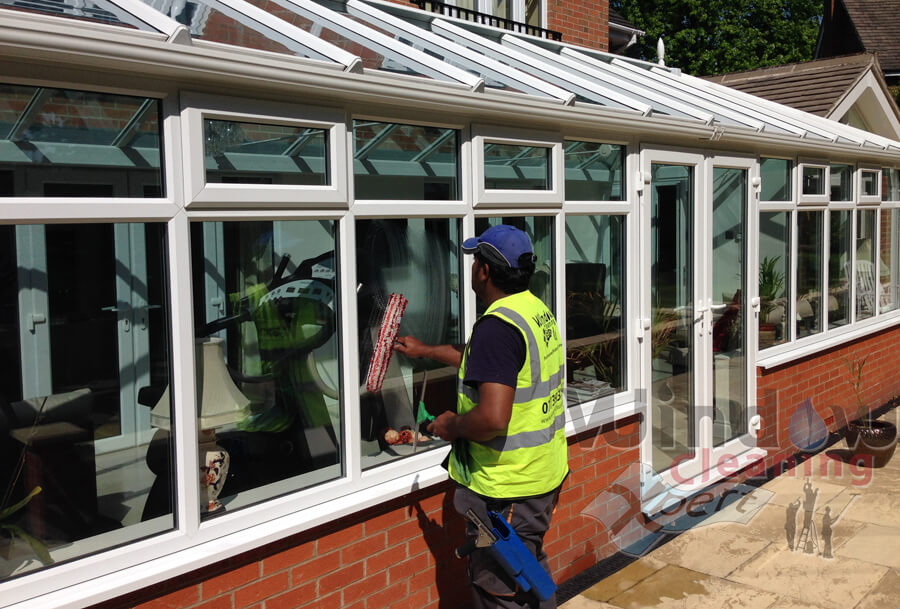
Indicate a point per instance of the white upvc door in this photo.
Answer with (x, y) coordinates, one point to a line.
(696, 318)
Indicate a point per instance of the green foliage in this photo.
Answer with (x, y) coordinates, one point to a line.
(13, 530)
(707, 37)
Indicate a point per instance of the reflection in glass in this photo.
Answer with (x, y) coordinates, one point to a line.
(268, 290)
(533, 12)
(97, 11)
(809, 272)
(813, 180)
(409, 162)
(671, 311)
(775, 179)
(84, 333)
(514, 167)
(261, 153)
(595, 307)
(540, 230)
(868, 183)
(889, 260)
(729, 304)
(890, 184)
(594, 172)
(867, 282)
(774, 277)
(841, 183)
(420, 260)
(65, 143)
(841, 235)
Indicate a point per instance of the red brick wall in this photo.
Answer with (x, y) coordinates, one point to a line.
(823, 379)
(400, 554)
(582, 22)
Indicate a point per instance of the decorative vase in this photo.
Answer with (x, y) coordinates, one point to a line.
(873, 438)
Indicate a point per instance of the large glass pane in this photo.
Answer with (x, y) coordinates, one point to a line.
(867, 283)
(672, 313)
(261, 153)
(97, 11)
(533, 12)
(890, 184)
(841, 182)
(515, 167)
(809, 272)
(65, 143)
(594, 172)
(839, 256)
(774, 277)
(729, 304)
(595, 306)
(419, 261)
(85, 327)
(540, 230)
(813, 180)
(265, 301)
(775, 176)
(410, 162)
(889, 265)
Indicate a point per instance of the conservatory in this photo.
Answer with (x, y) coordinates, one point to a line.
(207, 206)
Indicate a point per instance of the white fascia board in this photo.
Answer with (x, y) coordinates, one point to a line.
(387, 46)
(884, 104)
(459, 53)
(666, 84)
(546, 71)
(242, 10)
(155, 19)
(604, 76)
(721, 96)
(805, 121)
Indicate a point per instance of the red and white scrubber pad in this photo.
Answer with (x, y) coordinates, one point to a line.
(384, 345)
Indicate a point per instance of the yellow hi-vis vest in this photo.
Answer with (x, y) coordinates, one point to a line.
(530, 458)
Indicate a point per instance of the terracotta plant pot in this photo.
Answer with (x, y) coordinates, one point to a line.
(874, 438)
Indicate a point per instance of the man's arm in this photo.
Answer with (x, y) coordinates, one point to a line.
(411, 346)
(487, 420)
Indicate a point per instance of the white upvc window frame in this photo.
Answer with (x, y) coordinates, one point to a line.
(197, 107)
(863, 198)
(484, 197)
(813, 199)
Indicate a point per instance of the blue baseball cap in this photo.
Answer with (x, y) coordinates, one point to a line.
(501, 243)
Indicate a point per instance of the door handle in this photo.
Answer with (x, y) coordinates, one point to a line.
(34, 319)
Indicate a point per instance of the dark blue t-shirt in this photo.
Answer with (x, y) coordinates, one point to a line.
(496, 353)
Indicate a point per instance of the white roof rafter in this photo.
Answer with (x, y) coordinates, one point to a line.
(571, 82)
(460, 54)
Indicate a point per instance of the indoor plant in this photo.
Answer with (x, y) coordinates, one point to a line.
(13, 531)
(771, 287)
(874, 438)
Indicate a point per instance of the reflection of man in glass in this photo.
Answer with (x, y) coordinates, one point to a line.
(509, 444)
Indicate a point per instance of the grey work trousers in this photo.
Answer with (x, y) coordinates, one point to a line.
(530, 518)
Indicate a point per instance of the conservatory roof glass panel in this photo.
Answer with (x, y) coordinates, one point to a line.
(97, 11)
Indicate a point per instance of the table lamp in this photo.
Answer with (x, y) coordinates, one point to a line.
(220, 403)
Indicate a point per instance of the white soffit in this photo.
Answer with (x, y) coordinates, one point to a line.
(465, 57)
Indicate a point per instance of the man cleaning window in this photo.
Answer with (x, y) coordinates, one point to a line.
(509, 452)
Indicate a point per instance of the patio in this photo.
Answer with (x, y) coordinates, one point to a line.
(735, 565)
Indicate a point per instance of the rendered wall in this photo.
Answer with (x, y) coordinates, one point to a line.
(400, 555)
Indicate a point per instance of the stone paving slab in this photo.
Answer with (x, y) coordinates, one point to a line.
(838, 582)
(874, 543)
(624, 579)
(674, 587)
(789, 488)
(790, 603)
(711, 550)
(885, 594)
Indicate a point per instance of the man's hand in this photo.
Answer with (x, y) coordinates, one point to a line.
(413, 347)
(443, 426)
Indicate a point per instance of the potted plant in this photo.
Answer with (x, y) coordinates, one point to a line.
(12, 531)
(771, 286)
(874, 438)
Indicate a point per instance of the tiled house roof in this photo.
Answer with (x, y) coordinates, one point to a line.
(877, 23)
(812, 86)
